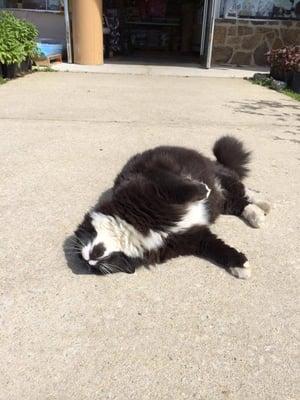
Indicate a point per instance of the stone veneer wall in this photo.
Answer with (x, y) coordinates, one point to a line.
(246, 41)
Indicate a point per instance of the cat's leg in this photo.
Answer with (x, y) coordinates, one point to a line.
(214, 249)
(200, 242)
(237, 201)
(176, 189)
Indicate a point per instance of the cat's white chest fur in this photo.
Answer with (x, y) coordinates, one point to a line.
(118, 235)
(196, 214)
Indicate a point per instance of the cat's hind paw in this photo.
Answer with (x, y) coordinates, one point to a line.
(254, 215)
(265, 206)
(243, 272)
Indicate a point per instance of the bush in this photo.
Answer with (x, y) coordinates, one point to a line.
(17, 39)
(285, 59)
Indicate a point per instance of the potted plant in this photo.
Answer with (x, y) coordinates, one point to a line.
(274, 59)
(282, 63)
(291, 63)
(17, 45)
(296, 78)
(294, 64)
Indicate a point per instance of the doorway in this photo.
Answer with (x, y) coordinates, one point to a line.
(158, 32)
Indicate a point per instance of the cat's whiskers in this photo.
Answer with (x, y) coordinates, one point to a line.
(77, 241)
(73, 246)
(70, 251)
(75, 250)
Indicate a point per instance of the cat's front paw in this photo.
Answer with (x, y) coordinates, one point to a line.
(264, 205)
(243, 272)
(254, 215)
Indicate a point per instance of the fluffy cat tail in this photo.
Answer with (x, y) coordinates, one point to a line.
(230, 152)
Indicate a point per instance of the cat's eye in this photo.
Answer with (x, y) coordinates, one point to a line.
(97, 251)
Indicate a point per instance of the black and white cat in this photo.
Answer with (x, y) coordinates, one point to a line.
(161, 206)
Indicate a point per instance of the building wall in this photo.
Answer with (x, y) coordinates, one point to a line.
(51, 25)
(246, 41)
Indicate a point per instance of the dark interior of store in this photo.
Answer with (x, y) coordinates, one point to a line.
(153, 31)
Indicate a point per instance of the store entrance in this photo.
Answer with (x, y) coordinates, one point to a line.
(156, 32)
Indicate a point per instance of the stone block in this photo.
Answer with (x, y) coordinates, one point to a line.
(277, 32)
(233, 41)
(245, 30)
(241, 58)
(270, 36)
(251, 42)
(222, 54)
(290, 36)
(260, 57)
(287, 23)
(277, 44)
(264, 29)
(232, 30)
(220, 35)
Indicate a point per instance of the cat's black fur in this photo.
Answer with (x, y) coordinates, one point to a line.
(152, 193)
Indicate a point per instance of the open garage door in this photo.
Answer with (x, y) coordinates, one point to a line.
(169, 32)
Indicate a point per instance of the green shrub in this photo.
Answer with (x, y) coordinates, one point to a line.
(17, 39)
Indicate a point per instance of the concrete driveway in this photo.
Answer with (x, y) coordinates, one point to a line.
(183, 330)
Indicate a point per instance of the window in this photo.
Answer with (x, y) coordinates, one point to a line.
(52, 5)
(260, 9)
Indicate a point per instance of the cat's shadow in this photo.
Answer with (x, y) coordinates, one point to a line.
(74, 262)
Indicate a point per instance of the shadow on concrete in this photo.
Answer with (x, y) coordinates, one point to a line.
(286, 140)
(169, 61)
(267, 108)
(71, 252)
(74, 262)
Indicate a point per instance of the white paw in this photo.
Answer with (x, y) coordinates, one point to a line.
(254, 199)
(242, 273)
(254, 215)
(264, 205)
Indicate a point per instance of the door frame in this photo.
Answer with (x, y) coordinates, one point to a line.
(68, 31)
(208, 28)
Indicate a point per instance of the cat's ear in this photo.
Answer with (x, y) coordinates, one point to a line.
(129, 269)
(123, 263)
(85, 227)
(127, 264)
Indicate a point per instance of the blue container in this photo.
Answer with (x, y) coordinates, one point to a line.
(48, 47)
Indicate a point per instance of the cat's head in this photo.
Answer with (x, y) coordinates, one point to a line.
(100, 246)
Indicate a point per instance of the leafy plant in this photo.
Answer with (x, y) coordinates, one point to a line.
(267, 82)
(285, 59)
(17, 39)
